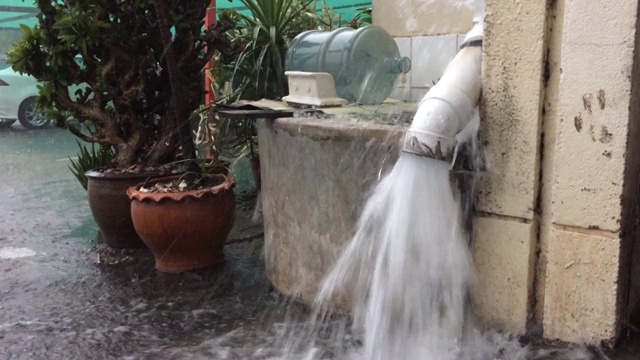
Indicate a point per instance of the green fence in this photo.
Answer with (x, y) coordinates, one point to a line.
(12, 14)
(16, 12)
(346, 8)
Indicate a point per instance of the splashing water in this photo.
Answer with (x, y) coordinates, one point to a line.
(406, 275)
(408, 266)
(407, 269)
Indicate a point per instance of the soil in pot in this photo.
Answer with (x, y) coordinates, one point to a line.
(185, 230)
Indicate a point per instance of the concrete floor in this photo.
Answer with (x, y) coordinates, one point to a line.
(71, 299)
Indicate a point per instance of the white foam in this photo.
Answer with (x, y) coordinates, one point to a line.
(9, 252)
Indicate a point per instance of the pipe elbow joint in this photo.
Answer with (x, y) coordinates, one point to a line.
(432, 133)
(475, 36)
(447, 108)
(440, 116)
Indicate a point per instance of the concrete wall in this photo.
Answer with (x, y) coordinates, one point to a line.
(513, 70)
(316, 175)
(421, 18)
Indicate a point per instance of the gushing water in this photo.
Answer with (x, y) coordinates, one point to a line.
(408, 266)
(405, 277)
(406, 271)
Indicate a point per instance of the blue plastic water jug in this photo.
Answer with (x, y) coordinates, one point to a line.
(365, 63)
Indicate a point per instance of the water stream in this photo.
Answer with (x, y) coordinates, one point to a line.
(408, 267)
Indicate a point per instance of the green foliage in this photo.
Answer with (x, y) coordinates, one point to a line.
(327, 19)
(363, 17)
(263, 37)
(241, 138)
(257, 71)
(89, 158)
(227, 140)
(102, 62)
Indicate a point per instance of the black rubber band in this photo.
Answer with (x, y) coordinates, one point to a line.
(472, 43)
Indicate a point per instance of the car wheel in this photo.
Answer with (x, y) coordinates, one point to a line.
(30, 116)
(6, 123)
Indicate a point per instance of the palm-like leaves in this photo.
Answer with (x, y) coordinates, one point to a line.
(89, 157)
(266, 33)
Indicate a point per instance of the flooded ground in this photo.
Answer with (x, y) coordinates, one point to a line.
(62, 297)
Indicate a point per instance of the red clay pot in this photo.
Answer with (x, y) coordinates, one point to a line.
(110, 207)
(185, 230)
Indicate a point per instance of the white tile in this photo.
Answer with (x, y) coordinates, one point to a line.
(430, 56)
(404, 80)
(460, 39)
(401, 93)
(404, 45)
(417, 94)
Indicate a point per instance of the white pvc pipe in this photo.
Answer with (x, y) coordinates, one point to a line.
(448, 106)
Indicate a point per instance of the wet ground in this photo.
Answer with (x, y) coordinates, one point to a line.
(73, 300)
(67, 298)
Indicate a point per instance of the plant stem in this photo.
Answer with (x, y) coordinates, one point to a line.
(177, 92)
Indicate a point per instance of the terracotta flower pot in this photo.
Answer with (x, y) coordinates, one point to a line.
(110, 207)
(184, 230)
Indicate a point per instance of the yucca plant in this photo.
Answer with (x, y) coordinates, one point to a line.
(258, 71)
(362, 17)
(89, 157)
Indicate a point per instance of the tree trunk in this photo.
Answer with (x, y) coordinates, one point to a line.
(182, 124)
(125, 156)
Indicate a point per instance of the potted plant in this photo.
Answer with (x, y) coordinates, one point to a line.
(112, 55)
(159, 207)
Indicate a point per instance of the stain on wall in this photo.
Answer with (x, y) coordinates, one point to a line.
(587, 99)
(602, 100)
(577, 121)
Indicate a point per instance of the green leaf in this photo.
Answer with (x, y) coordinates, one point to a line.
(26, 29)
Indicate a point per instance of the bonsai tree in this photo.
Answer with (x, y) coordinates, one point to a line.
(107, 69)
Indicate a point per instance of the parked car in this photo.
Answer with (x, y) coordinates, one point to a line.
(18, 100)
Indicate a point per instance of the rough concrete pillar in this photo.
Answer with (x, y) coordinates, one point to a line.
(562, 185)
(506, 223)
(590, 172)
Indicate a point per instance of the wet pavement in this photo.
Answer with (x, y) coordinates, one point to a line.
(67, 298)
(63, 297)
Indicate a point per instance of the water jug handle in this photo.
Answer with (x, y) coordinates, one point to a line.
(398, 65)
